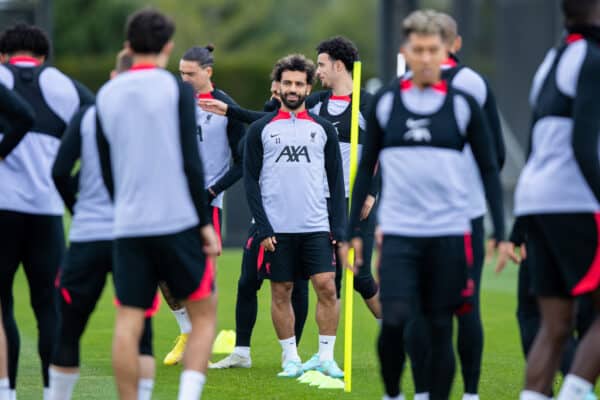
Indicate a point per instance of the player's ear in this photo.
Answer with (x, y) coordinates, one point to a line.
(457, 44)
(209, 72)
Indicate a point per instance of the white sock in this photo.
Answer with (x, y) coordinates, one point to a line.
(181, 315)
(470, 396)
(399, 397)
(531, 395)
(326, 346)
(574, 388)
(13, 394)
(422, 396)
(46, 393)
(290, 351)
(61, 384)
(145, 387)
(4, 389)
(242, 351)
(191, 384)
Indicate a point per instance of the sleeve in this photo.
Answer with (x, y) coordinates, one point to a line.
(104, 156)
(335, 180)
(586, 124)
(68, 154)
(19, 117)
(480, 139)
(271, 105)
(243, 115)
(364, 175)
(490, 109)
(518, 235)
(86, 97)
(235, 132)
(192, 164)
(313, 99)
(366, 99)
(376, 183)
(253, 161)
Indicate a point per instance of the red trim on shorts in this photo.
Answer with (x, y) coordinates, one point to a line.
(468, 249)
(66, 295)
(268, 268)
(249, 242)
(24, 59)
(216, 223)
(574, 37)
(206, 284)
(261, 257)
(151, 312)
(591, 280)
(57, 279)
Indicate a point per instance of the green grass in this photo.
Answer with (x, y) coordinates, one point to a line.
(502, 365)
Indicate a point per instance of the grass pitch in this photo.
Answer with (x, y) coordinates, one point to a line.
(503, 364)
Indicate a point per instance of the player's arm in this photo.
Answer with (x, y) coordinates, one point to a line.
(19, 115)
(586, 124)
(243, 115)
(104, 157)
(335, 180)
(68, 154)
(86, 97)
(235, 132)
(480, 139)
(490, 109)
(364, 175)
(366, 99)
(253, 162)
(192, 164)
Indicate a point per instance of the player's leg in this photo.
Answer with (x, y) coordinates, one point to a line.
(364, 282)
(399, 289)
(4, 383)
(135, 279)
(183, 321)
(146, 359)
(42, 258)
(12, 236)
(82, 280)
(470, 328)
(580, 264)
(300, 306)
(246, 307)
(417, 340)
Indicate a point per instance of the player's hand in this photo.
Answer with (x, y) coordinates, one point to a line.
(506, 250)
(269, 243)
(367, 207)
(357, 245)
(490, 249)
(342, 249)
(210, 240)
(213, 106)
(378, 236)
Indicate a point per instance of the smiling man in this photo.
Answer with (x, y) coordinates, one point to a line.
(287, 154)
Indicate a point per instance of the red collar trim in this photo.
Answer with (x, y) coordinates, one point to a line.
(142, 66)
(340, 98)
(574, 37)
(208, 95)
(286, 115)
(450, 62)
(24, 59)
(441, 86)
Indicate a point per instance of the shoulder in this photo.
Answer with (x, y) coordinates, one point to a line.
(321, 121)
(259, 125)
(6, 77)
(570, 65)
(316, 97)
(223, 96)
(471, 82)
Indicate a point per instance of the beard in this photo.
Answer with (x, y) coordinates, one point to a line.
(292, 104)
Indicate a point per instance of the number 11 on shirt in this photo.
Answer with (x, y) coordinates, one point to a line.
(349, 279)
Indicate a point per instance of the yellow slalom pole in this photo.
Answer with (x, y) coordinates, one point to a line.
(349, 280)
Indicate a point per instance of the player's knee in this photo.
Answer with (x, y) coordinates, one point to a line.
(365, 286)
(281, 292)
(395, 313)
(325, 288)
(558, 331)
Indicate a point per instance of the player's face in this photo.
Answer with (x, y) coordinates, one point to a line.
(325, 69)
(275, 89)
(425, 55)
(196, 75)
(293, 89)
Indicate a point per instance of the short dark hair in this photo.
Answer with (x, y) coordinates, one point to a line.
(202, 55)
(294, 62)
(148, 31)
(340, 48)
(24, 37)
(578, 11)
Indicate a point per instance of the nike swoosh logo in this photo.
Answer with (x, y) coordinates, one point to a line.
(275, 135)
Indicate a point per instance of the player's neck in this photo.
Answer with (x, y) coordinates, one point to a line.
(343, 87)
(205, 89)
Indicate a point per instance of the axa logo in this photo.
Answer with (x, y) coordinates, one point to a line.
(293, 154)
(418, 130)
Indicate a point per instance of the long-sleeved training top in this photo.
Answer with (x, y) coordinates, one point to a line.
(17, 118)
